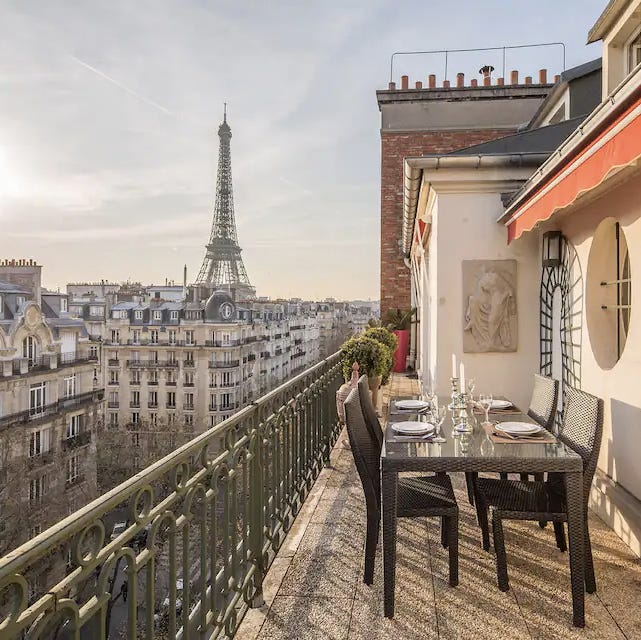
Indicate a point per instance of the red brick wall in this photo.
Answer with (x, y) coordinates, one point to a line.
(395, 146)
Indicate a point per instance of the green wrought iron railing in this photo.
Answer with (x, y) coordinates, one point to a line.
(199, 529)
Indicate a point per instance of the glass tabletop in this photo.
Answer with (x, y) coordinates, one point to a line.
(474, 450)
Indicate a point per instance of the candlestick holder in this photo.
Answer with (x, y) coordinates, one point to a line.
(460, 417)
(455, 392)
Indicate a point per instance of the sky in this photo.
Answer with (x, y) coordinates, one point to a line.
(109, 113)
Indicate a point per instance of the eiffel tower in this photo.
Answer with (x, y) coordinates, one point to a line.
(223, 265)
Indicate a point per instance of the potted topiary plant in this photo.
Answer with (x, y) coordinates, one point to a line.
(399, 322)
(390, 341)
(373, 360)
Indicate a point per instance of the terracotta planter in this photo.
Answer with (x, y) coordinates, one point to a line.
(374, 383)
(402, 350)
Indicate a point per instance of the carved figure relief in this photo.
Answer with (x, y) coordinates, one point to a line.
(489, 303)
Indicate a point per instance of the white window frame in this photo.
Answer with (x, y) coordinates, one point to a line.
(74, 425)
(189, 337)
(627, 51)
(73, 468)
(30, 349)
(70, 386)
(38, 488)
(153, 336)
(37, 398)
(158, 314)
(173, 315)
(138, 314)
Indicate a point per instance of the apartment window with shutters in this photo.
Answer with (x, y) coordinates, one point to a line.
(73, 426)
(189, 401)
(135, 356)
(153, 356)
(171, 357)
(171, 399)
(70, 386)
(189, 378)
(39, 442)
(37, 398)
(189, 337)
(115, 336)
(38, 488)
(135, 376)
(171, 377)
(225, 400)
(226, 378)
(153, 336)
(153, 398)
(172, 336)
(135, 398)
(113, 399)
(136, 336)
(153, 377)
(73, 469)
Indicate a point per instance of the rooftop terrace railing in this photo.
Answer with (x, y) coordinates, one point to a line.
(209, 517)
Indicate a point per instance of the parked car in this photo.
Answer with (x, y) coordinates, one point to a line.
(119, 527)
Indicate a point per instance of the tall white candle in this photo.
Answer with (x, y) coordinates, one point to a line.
(462, 378)
(453, 366)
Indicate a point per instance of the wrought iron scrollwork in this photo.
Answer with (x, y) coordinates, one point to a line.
(202, 527)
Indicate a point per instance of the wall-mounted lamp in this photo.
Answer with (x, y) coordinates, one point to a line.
(552, 248)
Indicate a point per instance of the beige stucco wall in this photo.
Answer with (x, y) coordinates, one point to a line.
(620, 386)
(464, 227)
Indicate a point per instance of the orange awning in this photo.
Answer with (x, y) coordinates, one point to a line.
(617, 146)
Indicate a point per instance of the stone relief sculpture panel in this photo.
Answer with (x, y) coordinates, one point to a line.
(489, 304)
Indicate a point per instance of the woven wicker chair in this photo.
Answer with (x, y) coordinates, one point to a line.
(430, 496)
(369, 412)
(581, 430)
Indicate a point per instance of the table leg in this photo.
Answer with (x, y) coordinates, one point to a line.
(576, 524)
(389, 490)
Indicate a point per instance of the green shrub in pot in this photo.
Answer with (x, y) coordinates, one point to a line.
(372, 356)
(389, 340)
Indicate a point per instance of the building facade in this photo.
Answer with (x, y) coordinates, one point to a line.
(50, 406)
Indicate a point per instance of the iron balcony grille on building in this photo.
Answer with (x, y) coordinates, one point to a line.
(212, 515)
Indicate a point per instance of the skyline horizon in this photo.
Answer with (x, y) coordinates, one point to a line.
(108, 145)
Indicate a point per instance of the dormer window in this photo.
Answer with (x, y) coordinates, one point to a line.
(158, 315)
(138, 314)
(634, 51)
(63, 305)
(30, 350)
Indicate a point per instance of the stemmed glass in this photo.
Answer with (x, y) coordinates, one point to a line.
(439, 417)
(485, 400)
(471, 385)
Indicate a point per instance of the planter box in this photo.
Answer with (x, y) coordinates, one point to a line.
(402, 350)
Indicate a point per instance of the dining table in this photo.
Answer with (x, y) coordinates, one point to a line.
(477, 452)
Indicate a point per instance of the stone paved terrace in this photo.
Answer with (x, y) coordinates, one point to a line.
(314, 589)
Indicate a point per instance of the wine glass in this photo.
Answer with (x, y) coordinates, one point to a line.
(485, 400)
(471, 385)
(440, 414)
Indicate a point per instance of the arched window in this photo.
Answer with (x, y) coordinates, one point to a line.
(30, 350)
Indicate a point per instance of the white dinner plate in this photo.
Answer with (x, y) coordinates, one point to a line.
(501, 404)
(412, 428)
(518, 428)
(411, 404)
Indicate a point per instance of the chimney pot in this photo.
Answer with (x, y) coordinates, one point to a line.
(543, 76)
(514, 77)
(391, 86)
(405, 81)
(528, 79)
(500, 81)
(460, 79)
(474, 82)
(487, 81)
(419, 84)
(431, 81)
(446, 84)
(557, 78)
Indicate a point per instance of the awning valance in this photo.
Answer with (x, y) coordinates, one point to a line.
(617, 146)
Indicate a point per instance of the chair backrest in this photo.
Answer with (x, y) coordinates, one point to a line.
(369, 412)
(365, 449)
(545, 397)
(582, 428)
